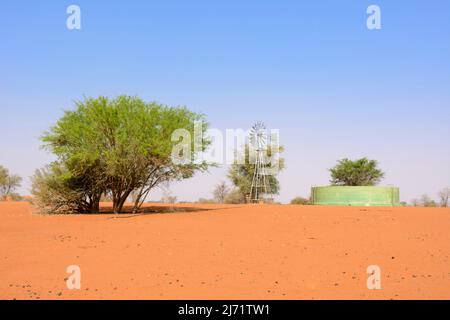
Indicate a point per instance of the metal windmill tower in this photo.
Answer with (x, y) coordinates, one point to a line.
(260, 183)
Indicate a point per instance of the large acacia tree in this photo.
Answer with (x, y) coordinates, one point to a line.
(360, 172)
(118, 147)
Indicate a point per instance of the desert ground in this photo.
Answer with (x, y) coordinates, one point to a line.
(190, 251)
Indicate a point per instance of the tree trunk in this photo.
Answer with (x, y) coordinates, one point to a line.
(121, 204)
(120, 201)
(115, 203)
(96, 203)
(136, 204)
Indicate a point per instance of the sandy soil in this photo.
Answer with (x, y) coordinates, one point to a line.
(227, 252)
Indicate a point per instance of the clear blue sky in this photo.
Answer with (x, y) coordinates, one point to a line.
(309, 68)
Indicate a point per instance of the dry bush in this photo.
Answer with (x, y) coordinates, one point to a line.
(300, 200)
(206, 201)
(235, 197)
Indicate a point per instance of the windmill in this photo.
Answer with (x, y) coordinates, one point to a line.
(260, 182)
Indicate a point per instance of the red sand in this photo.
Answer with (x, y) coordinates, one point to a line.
(229, 252)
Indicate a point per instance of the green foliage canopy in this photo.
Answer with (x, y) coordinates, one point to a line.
(122, 145)
(8, 182)
(360, 172)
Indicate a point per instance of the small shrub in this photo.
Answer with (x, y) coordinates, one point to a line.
(426, 201)
(300, 200)
(205, 201)
(235, 197)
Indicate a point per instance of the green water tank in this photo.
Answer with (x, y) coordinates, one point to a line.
(355, 196)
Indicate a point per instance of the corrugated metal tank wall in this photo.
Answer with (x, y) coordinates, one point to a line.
(355, 196)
